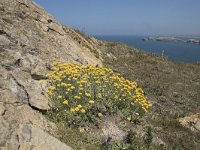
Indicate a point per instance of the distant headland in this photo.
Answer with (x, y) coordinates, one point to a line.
(192, 40)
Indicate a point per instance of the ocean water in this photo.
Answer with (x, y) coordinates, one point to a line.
(178, 51)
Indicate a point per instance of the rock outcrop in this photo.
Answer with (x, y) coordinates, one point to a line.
(193, 41)
(192, 122)
(30, 40)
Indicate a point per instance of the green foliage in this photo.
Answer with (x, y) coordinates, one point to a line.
(132, 142)
(112, 44)
(77, 140)
(82, 95)
(148, 138)
(121, 146)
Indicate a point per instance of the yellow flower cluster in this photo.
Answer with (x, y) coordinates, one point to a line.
(94, 91)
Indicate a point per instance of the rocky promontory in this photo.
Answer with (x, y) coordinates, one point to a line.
(172, 39)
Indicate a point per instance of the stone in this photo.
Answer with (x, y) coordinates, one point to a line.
(4, 132)
(34, 138)
(4, 40)
(34, 51)
(13, 144)
(192, 122)
(2, 108)
(8, 97)
(55, 27)
(44, 27)
(31, 40)
(19, 91)
(42, 141)
(26, 131)
(39, 72)
(39, 100)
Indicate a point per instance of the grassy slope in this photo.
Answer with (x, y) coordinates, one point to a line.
(173, 88)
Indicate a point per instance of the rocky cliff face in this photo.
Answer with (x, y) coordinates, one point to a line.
(30, 40)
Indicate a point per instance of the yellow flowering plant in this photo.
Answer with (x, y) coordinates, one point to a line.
(82, 95)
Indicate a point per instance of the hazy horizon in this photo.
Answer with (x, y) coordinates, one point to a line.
(167, 35)
(130, 17)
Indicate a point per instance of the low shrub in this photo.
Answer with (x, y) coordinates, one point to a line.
(83, 95)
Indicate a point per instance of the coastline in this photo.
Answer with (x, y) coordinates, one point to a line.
(177, 51)
(194, 40)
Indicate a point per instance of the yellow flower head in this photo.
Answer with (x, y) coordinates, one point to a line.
(97, 82)
(83, 111)
(99, 95)
(77, 97)
(77, 109)
(59, 96)
(82, 130)
(100, 114)
(51, 88)
(72, 87)
(65, 102)
(91, 102)
(50, 93)
(79, 106)
(88, 94)
(137, 114)
(123, 95)
(63, 84)
(150, 105)
(72, 110)
(129, 118)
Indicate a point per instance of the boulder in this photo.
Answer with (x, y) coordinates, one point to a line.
(34, 138)
(192, 122)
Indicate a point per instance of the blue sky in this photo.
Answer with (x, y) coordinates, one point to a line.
(127, 17)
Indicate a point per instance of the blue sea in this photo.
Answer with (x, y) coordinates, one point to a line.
(178, 51)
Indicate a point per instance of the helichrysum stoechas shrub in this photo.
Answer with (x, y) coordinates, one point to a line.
(85, 94)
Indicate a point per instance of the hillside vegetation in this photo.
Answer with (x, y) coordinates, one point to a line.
(173, 89)
(97, 96)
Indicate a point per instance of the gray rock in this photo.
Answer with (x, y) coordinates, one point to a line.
(39, 72)
(30, 40)
(192, 122)
(34, 138)
(13, 143)
(34, 51)
(56, 27)
(4, 132)
(26, 133)
(2, 109)
(18, 90)
(39, 100)
(4, 40)
(43, 141)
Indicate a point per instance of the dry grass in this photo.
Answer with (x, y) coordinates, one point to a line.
(172, 87)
